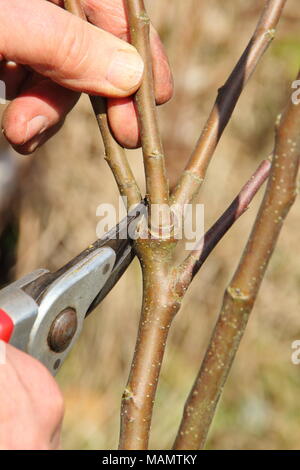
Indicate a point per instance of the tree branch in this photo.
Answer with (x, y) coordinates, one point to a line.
(164, 288)
(194, 261)
(115, 153)
(159, 305)
(194, 174)
(240, 296)
(156, 179)
(116, 156)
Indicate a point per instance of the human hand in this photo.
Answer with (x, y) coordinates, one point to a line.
(58, 56)
(31, 405)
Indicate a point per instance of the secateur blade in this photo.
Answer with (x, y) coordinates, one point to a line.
(118, 238)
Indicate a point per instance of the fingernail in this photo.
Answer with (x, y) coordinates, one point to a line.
(34, 144)
(126, 70)
(36, 126)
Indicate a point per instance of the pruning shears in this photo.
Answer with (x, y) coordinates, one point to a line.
(43, 313)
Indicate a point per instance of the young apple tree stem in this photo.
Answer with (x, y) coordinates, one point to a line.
(236, 209)
(115, 153)
(157, 187)
(228, 95)
(242, 291)
(116, 156)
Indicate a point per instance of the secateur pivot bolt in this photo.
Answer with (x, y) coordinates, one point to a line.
(62, 330)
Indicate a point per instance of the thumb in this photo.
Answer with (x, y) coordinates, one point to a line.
(68, 50)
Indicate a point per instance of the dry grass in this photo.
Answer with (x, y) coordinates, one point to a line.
(69, 178)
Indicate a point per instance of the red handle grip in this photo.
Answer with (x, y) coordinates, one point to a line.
(6, 326)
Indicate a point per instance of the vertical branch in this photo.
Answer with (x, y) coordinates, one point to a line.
(240, 296)
(139, 395)
(228, 95)
(159, 305)
(154, 161)
(115, 153)
(115, 156)
(158, 310)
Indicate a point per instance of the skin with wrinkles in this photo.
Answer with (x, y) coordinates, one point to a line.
(110, 16)
(74, 55)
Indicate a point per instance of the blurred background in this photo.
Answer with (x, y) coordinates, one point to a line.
(48, 214)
